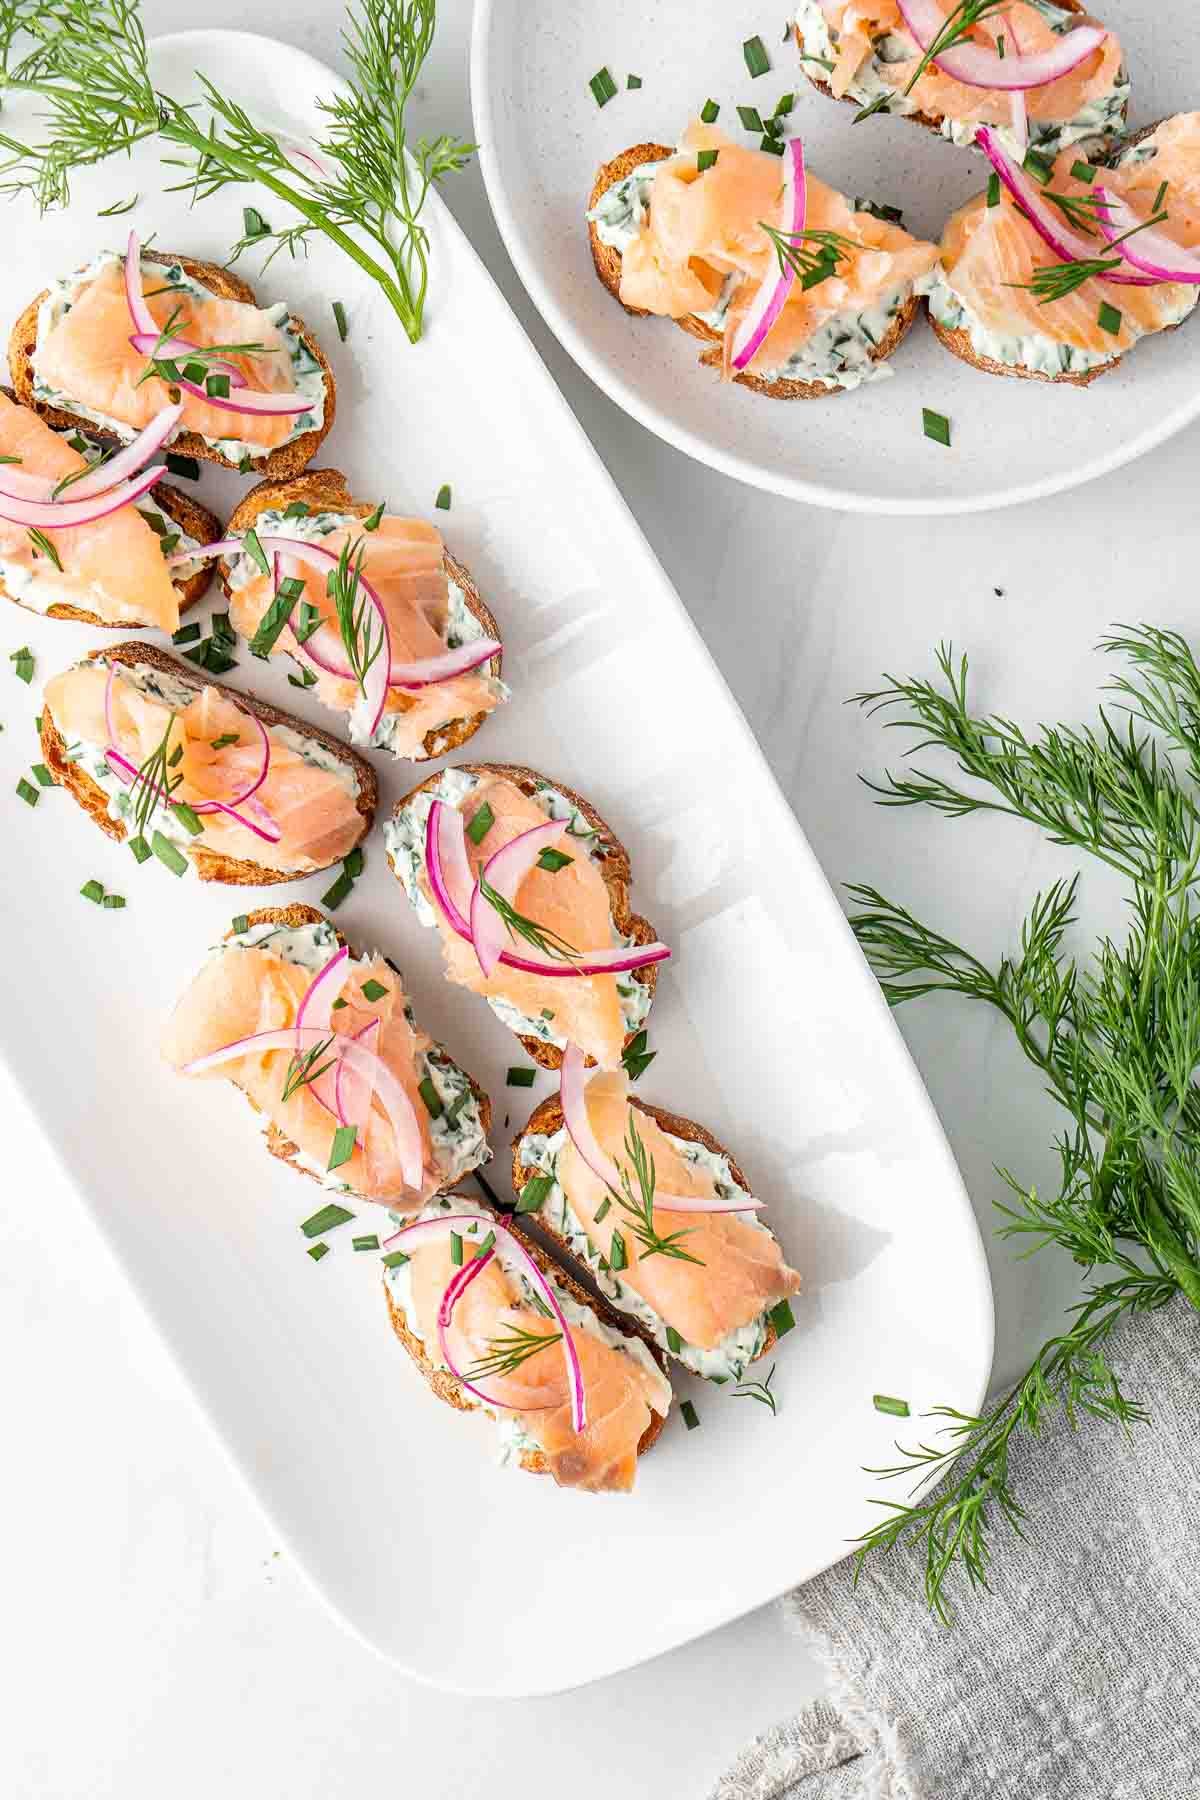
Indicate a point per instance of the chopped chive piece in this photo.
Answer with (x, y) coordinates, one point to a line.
(211, 655)
(633, 81)
(604, 1207)
(936, 426)
(113, 902)
(547, 1012)
(168, 855)
(431, 1097)
(750, 117)
(342, 1148)
(190, 821)
(1160, 196)
(93, 890)
(993, 189)
(376, 518)
(395, 1259)
(217, 386)
(603, 87)
(533, 1195)
(334, 896)
(373, 990)
(22, 661)
(1000, 46)
(317, 1251)
(784, 105)
(481, 824)
(246, 464)
(485, 1244)
(176, 757)
(456, 1250)
(1083, 171)
(253, 223)
(757, 60)
(28, 792)
(635, 1057)
(338, 1004)
(275, 618)
(553, 860)
(186, 467)
(187, 634)
(674, 1341)
(339, 318)
(44, 777)
(298, 509)
(305, 679)
(773, 126)
(325, 1220)
(688, 1414)
(1109, 318)
(37, 724)
(1038, 166)
(781, 1318)
(239, 924)
(885, 1403)
(194, 371)
(775, 147)
(617, 1257)
(520, 1077)
(226, 737)
(367, 1243)
(705, 159)
(141, 849)
(353, 863)
(443, 497)
(255, 550)
(709, 111)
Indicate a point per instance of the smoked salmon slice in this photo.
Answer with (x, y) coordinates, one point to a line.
(113, 567)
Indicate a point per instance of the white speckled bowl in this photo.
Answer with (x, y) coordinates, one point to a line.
(542, 138)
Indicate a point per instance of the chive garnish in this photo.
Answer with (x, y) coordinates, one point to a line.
(22, 661)
(481, 824)
(547, 1012)
(43, 547)
(317, 1251)
(674, 1341)
(635, 1057)
(456, 1250)
(217, 386)
(443, 497)
(633, 81)
(603, 87)
(239, 924)
(520, 1077)
(993, 189)
(709, 111)
(325, 1220)
(688, 1414)
(338, 1004)
(1109, 318)
(757, 60)
(604, 1207)
(253, 224)
(431, 1097)
(334, 896)
(226, 737)
(936, 426)
(342, 1147)
(298, 509)
(1083, 171)
(775, 147)
(176, 757)
(187, 634)
(44, 777)
(750, 117)
(705, 159)
(376, 518)
(305, 679)
(366, 1243)
(781, 1318)
(784, 105)
(167, 854)
(339, 317)
(28, 792)
(553, 860)
(1160, 196)
(93, 891)
(533, 1195)
(353, 863)
(186, 467)
(395, 1259)
(617, 1256)
(885, 1403)
(1038, 166)
(141, 849)
(113, 902)
(246, 464)
(373, 990)
(276, 616)
(255, 550)
(190, 821)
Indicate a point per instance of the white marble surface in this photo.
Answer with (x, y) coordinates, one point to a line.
(154, 1641)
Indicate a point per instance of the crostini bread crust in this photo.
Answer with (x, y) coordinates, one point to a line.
(612, 858)
(608, 267)
(326, 490)
(288, 459)
(547, 1119)
(210, 865)
(446, 1388)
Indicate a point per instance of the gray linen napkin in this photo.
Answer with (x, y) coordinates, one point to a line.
(1076, 1678)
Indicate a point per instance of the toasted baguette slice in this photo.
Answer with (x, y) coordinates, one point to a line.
(288, 459)
(449, 1389)
(210, 865)
(326, 490)
(277, 1141)
(547, 1120)
(184, 511)
(608, 853)
(608, 267)
(931, 121)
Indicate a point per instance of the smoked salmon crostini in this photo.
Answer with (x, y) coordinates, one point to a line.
(190, 771)
(797, 292)
(383, 623)
(578, 1391)
(1058, 269)
(109, 347)
(324, 1044)
(1042, 73)
(529, 889)
(81, 538)
(660, 1216)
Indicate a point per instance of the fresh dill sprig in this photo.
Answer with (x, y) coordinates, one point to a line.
(193, 363)
(364, 188)
(543, 939)
(302, 1070)
(154, 781)
(44, 546)
(1116, 1037)
(810, 266)
(358, 622)
(960, 23)
(509, 1349)
(1055, 281)
(640, 1211)
(758, 1390)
